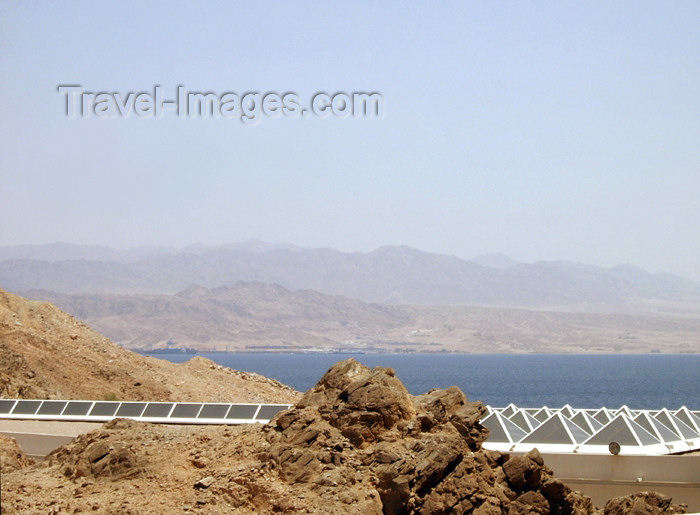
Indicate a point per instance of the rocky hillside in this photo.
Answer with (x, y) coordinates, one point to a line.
(46, 353)
(229, 317)
(357, 443)
(259, 316)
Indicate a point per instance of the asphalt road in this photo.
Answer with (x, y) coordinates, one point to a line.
(37, 438)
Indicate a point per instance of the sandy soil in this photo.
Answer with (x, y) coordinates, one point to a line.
(46, 353)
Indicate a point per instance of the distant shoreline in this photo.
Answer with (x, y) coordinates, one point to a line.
(193, 352)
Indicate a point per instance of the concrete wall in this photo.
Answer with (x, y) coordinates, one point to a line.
(37, 438)
(604, 476)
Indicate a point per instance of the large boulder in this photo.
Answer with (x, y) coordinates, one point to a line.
(642, 503)
(364, 404)
(98, 454)
(359, 429)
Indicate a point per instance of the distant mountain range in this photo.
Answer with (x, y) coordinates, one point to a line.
(253, 316)
(388, 275)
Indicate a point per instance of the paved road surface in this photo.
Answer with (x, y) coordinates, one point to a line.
(37, 438)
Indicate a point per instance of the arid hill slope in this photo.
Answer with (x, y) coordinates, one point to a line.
(46, 353)
(255, 316)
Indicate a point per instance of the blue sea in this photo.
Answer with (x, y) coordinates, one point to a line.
(645, 381)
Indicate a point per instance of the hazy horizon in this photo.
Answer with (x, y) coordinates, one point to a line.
(547, 131)
(495, 256)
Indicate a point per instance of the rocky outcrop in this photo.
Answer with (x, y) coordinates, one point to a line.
(364, 404)
(95, 454)
(420, 454)
(642, 503)
(12, 457)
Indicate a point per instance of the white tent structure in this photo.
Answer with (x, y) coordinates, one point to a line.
(603, 415)
(593, 431)
(567, 411)
(672, 440)
(556, 434)
(687, 433)
(525, 421)
(509, 410)
(624, 436)
(503, 434)
(624, 410)
(689, 418)
(513, 429)
(543, 414)
(586, 422)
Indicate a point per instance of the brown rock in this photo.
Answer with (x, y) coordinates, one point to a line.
(525, 472)
(12, 457)
(563, 500)
(529, 503)
(200, 463)
(205, 482)
(51, 354)
(642, 503)
(362, 403)
(98, 454)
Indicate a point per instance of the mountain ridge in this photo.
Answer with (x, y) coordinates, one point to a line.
(389, 274)
(255, 316)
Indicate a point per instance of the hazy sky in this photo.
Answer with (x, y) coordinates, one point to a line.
(543, 130)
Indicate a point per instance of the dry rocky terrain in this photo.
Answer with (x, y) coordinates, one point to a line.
(257, 316)
(356, 443)
(267, 297)
(46, 353)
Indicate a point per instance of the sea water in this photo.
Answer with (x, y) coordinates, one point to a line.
(644, 381)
